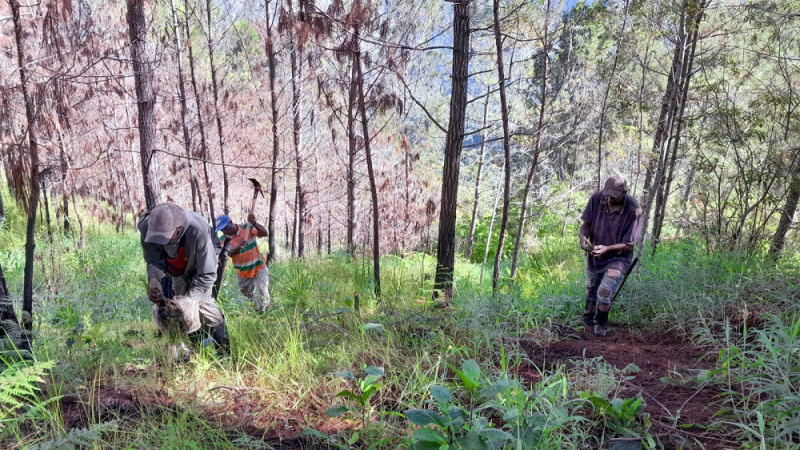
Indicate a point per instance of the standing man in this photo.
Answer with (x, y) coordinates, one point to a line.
(251, 268)
(181, 252)
(612, 224)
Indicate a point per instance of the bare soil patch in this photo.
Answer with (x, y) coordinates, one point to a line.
(680, 412)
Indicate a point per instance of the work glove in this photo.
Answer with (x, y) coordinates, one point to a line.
(159, 291)
(155, 291)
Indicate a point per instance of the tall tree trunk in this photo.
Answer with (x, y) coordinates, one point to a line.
(217, 115)
(663, 193)
(537, 147)
(787, 213)
(295, 56)
(145, 100)
(2, 210)
(605, 94)
(273, 189)
(198, 108)
(445, 248)
(33, 180)
(376, 241)
(501, 78)
(351, 162)
(187, 140)
(476, 198)
(657, 161)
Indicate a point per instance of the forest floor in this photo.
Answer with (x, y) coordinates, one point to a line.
(656, 365)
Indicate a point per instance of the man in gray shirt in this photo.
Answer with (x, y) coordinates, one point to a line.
(181, 251)
(612, 224)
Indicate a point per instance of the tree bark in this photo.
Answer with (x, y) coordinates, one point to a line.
(145, 100)
(787, 213)
(476, 198)
(376, 241)
(605, 95)
(352, 148)
(2, 210)
(498, 40)
(33, 176)
(295, 57)
(655, 166)
(198, 108)
(187, 140)
(664, 191)
(445, 248)
(217, 115)
(273, 189)
(537, 147)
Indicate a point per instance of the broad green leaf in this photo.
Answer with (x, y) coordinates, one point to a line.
(472, 371)
(422, 417)
(348, 394)
(441, 394)
(471, 441)
(336, 411)
(428, 435)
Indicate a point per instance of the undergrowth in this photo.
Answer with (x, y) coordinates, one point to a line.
(459, 363)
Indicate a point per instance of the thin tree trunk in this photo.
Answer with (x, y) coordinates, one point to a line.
(198, 108)
(605, 94)
(376, 241)
(2, 210)
(491, 230)
(33, 180)
(498, 40)
(445, 249)
(787, 213)
(295, 57)
(217, 115)
(351, 163)
(145, 100)
(476, 198)
(663, 197)
(537, 147)
(187, 140)
(329, 232)
(273, 189)
(656, 163)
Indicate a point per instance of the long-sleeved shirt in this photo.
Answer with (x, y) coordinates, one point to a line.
(201, 251)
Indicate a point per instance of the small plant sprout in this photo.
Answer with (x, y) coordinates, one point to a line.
(366, 387)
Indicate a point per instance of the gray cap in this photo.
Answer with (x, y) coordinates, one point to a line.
(615, 186)
(163, 221)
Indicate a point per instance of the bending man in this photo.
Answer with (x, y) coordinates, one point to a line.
(181, 252)
(611, 227)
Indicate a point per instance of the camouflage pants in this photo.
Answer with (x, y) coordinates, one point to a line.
(600, 289)
(256, 289)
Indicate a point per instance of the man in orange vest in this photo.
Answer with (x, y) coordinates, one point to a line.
(251, 268)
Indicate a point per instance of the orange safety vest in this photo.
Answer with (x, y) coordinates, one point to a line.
(247, 261)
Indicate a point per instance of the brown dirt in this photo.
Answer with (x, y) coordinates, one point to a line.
(658, 356)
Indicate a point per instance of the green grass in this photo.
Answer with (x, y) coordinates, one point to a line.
(93, 323)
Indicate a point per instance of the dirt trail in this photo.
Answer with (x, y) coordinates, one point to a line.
(658, 356)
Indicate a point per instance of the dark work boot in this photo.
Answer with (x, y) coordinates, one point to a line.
(220, 336)
(588, 316)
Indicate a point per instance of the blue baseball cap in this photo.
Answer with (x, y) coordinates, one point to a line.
(222, 222)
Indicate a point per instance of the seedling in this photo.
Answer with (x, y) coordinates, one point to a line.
(365, 388)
